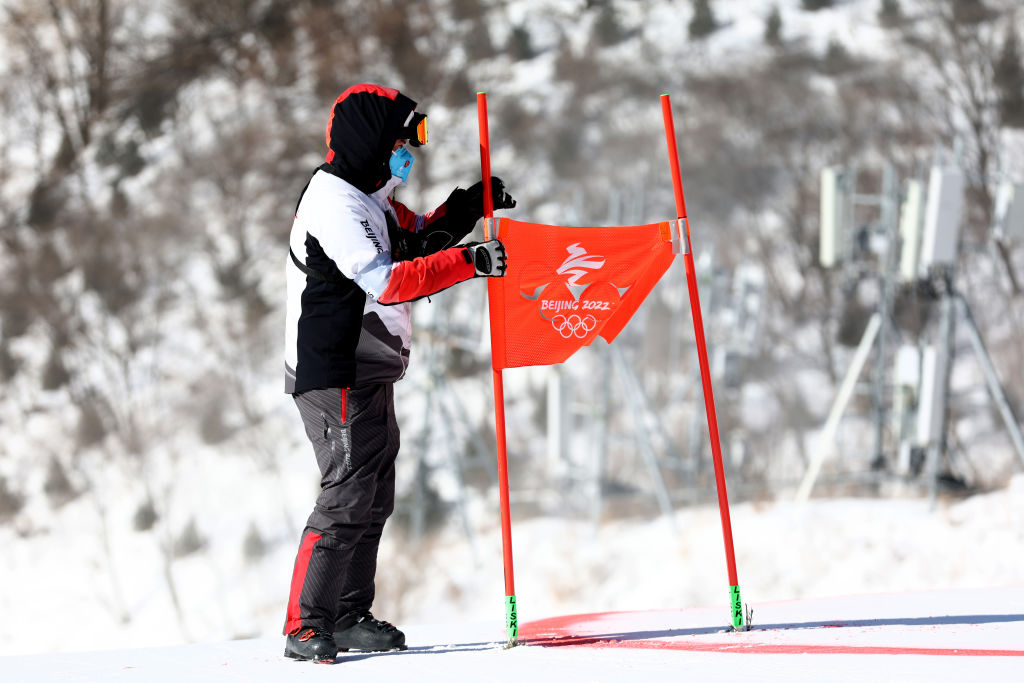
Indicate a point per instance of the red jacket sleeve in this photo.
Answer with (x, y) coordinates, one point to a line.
(427, 275)
(408, 220)
(406, 216)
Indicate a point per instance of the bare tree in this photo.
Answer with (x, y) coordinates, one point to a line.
(959, 41)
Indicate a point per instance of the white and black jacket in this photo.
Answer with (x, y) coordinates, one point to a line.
(357, 257)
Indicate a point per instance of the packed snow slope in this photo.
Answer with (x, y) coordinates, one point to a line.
(927, 636)
(784, 551)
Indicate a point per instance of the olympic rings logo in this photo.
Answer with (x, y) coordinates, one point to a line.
(573, 325)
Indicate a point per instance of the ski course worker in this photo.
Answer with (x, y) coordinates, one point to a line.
(357, 258)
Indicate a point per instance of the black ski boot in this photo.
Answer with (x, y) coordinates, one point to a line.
(361, 631)
(311, 644)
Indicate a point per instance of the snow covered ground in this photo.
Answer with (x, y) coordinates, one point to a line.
(69, 580)
(927, 636)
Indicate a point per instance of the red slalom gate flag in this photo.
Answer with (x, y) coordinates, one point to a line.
(565, 286)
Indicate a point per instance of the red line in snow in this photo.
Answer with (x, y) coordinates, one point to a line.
(559, 632)
(766, 648)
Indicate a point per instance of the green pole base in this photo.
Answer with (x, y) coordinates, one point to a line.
(737, 608)
(511, 622)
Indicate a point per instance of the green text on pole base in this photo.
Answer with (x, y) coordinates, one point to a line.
(511, 621)
(737, 608)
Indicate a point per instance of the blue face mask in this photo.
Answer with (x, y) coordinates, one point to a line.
(401, 163)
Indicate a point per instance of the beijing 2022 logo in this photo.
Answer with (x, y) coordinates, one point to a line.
(570, 320)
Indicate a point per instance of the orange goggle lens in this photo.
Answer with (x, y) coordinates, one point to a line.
(421, 131)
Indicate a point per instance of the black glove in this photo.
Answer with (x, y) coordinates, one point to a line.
(500, 198)
(488, 257)
(469, 204)
(463, 209)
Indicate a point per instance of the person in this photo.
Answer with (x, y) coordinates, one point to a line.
(357, 258)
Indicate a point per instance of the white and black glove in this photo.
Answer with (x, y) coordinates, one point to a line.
(487, 257)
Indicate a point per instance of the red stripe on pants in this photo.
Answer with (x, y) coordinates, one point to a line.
(294, 621)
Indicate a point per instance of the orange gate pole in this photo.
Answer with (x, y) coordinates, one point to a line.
(683, 228)
(493, 290)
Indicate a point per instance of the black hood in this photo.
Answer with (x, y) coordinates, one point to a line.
(365, 122)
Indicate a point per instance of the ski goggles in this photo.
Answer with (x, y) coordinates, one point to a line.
(415, 129)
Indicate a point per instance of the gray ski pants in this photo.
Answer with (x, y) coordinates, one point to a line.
(337, 559)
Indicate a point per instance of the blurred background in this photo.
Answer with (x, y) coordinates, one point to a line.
(853, 175)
